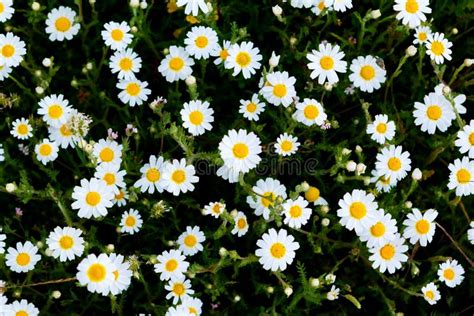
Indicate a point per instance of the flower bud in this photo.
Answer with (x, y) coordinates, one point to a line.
(39, 90)
(411, 50)
(277, 11)
(134, 4)
(143, 5)
(191, 80)
(417, 174)
(375, 14)
(274, 60)
(10, 187)
(325, 222)
(47, 62)
(351, 166)
(288, 291)
(56, 294)
(314, 282)
(35, 6)
(468, 62)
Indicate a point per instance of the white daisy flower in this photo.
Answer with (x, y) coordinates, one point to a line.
(21, 128)
(125, 63)
(201, 41)
(121, 198)
(178, 310)
(389, 256)
(222, 52)
(320, 5)
(382, 231)
(310, 112)
(243, 58)
(176, 65)
(55, 110)
(411, 12)
(431, 293)
(179, 288)
(393, 163)
(276, 250)
(241, 225)
(279, 88)
(23, 258)
(117, 35)
(6, 10)
(60, 24)
(296, 212)
(122, 274)
(66, 243)
(325, 62)
(382, 183)
(461, 176)
(92, 198)
(286, 145)
(131, 222)
(112, 175)
(240, 151)
(420, 227)
(4, 71)
(438, 48)
(108, 151)
(435, 113)
(313, 195)
(22, 308)
(63, 136)
(333, 294)
(251, 109)
(197, 117)
(12, 50)
(366, 74)
(266, 192)
(190, 242)
(357, 210)
(451, 273)
(193, 6)
(192, 304)
(421, 35)
(46, 151)
(151, 175)
(97, 273)
(458, 99)
(171, 264)
(134, 92)
(214, 209)
(179, 177)
(381, 129)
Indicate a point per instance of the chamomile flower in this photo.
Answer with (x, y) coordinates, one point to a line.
(60, 24)
(12, 50)
(382, 183)
(320, 5)
(112, 175)
(2, 243)
(178, 310)
(276, 250)
(313, 195)
(357, 210)
(333, 294)
(458, 100)
(6, 10)
(421, 35)
(151, 175)
(381, 129)
(176, 65)
(193, 6)
(92, 198)
(342, 5)
(190, 242)
(241, 225)
(251, 109)
(222, 52)
(121, 198)
(243, 58)
(411, 12)
(117, 35)
(125, 63)
(22, 308)
(131, 222)
(46, 151)
(171, 264)
(383, 230)
(451, 273)
(108, 151)
(201, 41)
(431, 293)
(438, 48)
(133, 92)
(266, 193)
(97, 273)
(434, 113)
(461, 176)
(296, 212)
(286, 145)
(179, 288)
(66, 243)
(389, 256)
(310, 112)
(179, 177)
(55, 110)
(63, 136)
(21, 128)
(23, 258)
(420, 227)
(326, 62)
(366, 74)
(197, 117)
(4, 71)
(193, 305)
(393, 163)
(279, 88)
(240, 151)
(214, 209)
(122, 274)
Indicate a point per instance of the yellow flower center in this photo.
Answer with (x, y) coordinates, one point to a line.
(240, 150)
(422, 226)
(312, 194)
(23, 259)
(93, 198)
(241, 223)
(430, 295)
(62, 24)
(279, 90)
(133, 89)
(278, 250)
(243, 59)
(201, 41)
(326, 62)
(178, 289)
(176, 63)
(367, 72)
(190, 241)
(268, 199)
(120, 195)
(55, 111)
(66, 242)
(196, 117)
(116, 275)
(422, 36)
(126, 64)
(65, 131)
(224, 54)
(471, 139)
(311, 112)
(45, 150)
(434, 112)
(394, 164)
(97, 272)
(8, 50)
(448, 274)
(216, 208)
(321, 5)
(377, 230)
(117, 35)
(171, 265)
(21, 313)
(381, 128)
(296, 211)
(192, 310)
(178, 176)
(106, 155)
(22, 129)
(2, 8)
(251, 107)
(286, 145)
(387, 252)
(411, 6)
(463, 176)
(109, 178)
(153, 175)
(437, 48)
(358, 210)
(130, 221)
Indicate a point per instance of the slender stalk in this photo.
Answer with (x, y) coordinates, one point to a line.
(471, 263)
(42, 283)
